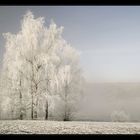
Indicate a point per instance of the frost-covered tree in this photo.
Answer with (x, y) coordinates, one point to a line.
(38, 65)
(70, 79)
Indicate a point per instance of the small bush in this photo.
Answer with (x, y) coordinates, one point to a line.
(119, 116)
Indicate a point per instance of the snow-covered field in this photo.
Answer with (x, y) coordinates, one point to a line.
(75, 127)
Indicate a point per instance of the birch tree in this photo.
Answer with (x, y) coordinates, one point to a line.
(39, 63)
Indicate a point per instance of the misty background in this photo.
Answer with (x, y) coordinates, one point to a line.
(108, 39)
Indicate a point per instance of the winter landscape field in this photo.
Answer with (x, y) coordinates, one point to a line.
(72, 127)
(69, 70)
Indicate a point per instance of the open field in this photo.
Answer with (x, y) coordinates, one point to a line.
(73, 127)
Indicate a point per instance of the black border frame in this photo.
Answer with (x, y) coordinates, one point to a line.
(68, 3)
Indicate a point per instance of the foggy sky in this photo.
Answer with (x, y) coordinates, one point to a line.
(107, 36)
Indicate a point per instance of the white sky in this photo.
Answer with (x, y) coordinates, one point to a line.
(108, 37)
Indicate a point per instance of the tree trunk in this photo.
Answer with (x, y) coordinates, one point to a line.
(32, 109)
(21, 116)
(35, 114)
(36, 103)
(21, 109)
(35, 110)
(66, 116)
(32, 92)
(46, 111)
(32, 102)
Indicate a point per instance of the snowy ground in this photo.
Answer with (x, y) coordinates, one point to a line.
(75, 127)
